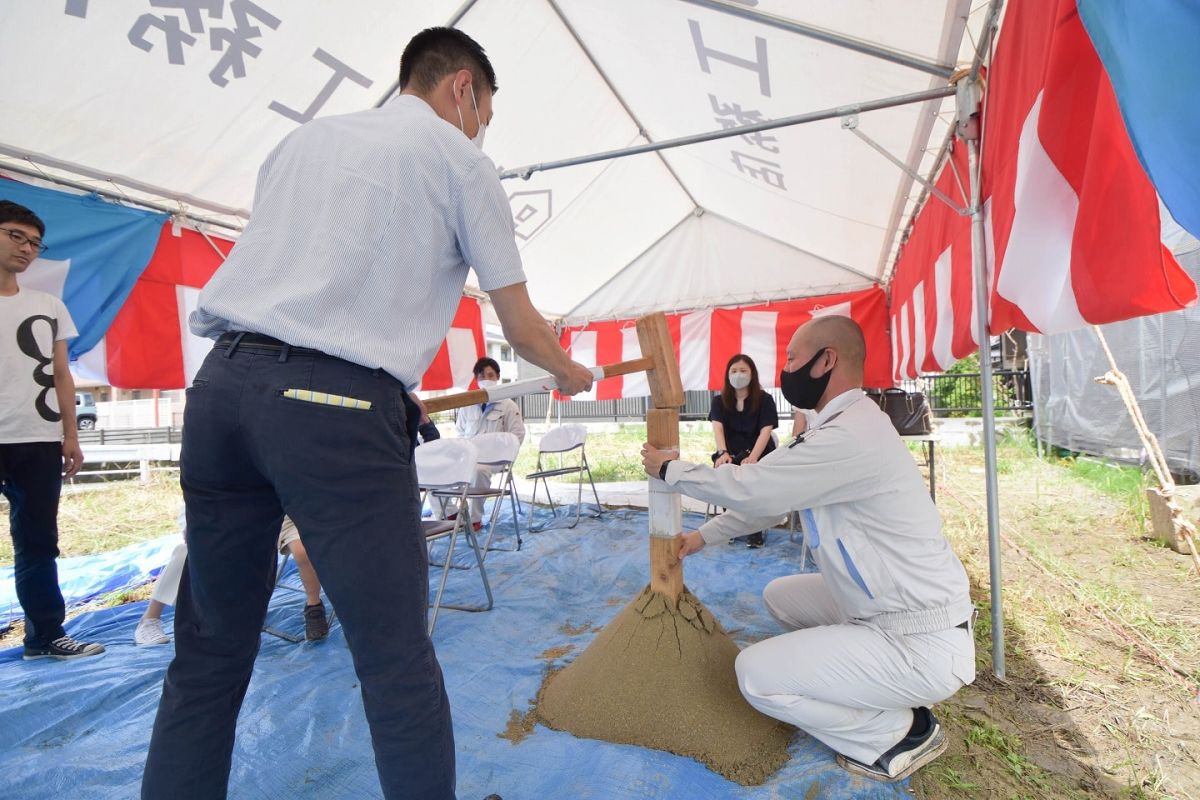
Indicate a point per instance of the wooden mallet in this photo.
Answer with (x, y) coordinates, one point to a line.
(661, 366)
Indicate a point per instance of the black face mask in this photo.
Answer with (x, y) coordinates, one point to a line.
(800, 388)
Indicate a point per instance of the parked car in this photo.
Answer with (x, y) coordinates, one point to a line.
(85, 411)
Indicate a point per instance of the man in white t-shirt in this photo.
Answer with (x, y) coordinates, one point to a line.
(38, 439)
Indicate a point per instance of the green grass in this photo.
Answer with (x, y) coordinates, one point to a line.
(110, 516)
(1008, 748)
(1125, 483)
(617, 456)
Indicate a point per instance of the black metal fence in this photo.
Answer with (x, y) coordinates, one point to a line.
(952, 394)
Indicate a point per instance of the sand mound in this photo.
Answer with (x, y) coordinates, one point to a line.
(663, 677)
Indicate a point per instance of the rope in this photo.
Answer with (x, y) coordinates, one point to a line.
(1114, 377)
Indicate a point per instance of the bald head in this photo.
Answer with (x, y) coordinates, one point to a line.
(838, 347)
(840, 333)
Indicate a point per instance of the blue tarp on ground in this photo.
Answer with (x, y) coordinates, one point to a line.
(86, 578)
(84, 725)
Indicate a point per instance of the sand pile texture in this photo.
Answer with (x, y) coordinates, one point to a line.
(663, 677)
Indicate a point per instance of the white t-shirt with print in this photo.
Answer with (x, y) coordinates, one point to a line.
(30, 323)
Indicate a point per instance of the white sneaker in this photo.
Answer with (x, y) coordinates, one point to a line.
(150, 631)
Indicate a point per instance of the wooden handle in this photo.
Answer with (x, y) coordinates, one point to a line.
(474, 397)
(643, 364)
(477, 396)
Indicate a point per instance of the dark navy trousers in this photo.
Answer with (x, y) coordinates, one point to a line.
(31, 479)
(346, 478)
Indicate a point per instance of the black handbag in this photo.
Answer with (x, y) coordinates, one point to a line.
(908, 411)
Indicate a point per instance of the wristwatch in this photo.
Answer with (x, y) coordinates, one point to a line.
(662, 471)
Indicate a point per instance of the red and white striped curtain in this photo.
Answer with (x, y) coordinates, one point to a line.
(1072, 221)
(705, 340)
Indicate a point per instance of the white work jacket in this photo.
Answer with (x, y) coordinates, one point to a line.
(873, 529)
(502, 416)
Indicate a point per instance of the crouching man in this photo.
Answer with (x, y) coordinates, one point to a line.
(885, 630)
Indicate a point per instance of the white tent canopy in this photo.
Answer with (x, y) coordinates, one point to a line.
(178, 101)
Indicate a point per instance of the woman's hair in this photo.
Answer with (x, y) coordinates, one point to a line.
(729, 394)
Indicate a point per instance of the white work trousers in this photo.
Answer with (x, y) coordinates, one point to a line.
(483, 480)
(852, 685)
(167, 586)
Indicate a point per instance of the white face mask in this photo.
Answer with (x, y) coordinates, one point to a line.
(478, 140)
(487, 384)
(739, 380)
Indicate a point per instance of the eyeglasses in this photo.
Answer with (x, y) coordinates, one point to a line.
(21, 239)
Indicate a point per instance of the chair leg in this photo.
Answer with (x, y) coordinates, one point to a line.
(496, 502)
(595, 494)
(473, 540)
(533, 506)
(437, 600)
(287, 637)
(514, 503)
(578, 501)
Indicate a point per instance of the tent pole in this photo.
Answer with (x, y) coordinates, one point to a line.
(120, 198)
(768, 125)
(982, 306)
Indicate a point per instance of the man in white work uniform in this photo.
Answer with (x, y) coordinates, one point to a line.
(884, 631)
(495, 416)
(329, 309)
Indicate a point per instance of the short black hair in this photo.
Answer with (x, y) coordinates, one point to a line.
(483, 364)
(434, 53)
(13, 212)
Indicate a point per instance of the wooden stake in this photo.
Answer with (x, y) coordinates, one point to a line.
(666, 514)
(654, 337)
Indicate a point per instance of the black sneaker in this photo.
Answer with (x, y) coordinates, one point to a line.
(908, 756)
(756, 540)
(64, 648)
(316, 626)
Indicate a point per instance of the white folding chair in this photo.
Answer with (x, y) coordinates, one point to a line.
(560, 441)
(445, 472)
(497, 451)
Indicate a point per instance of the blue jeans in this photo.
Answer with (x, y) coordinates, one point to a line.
(31, 479)
(346, 477)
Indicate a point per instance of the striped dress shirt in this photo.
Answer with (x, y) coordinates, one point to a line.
(364, 228)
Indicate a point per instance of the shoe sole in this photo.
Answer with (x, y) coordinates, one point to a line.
(39, 656)
(928, 756)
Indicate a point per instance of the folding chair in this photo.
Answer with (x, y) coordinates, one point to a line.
(562, 440)
(497, 451)
(445, 472)
(287, 587)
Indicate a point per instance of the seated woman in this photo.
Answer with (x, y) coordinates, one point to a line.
(743, 417)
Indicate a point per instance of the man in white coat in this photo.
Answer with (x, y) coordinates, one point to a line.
(885, 630)
(494, 417)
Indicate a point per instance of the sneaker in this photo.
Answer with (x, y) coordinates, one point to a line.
(756, 540)
(150, 631)
(64, 648)
(912, 753)
(316, 626)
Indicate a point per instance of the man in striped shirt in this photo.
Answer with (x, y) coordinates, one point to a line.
(328, 310)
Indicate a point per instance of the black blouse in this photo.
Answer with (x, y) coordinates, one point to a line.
(742, 427)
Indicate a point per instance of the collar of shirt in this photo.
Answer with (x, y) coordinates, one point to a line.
(836, 406)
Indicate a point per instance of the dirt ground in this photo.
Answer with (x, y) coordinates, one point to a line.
(1102, 645)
